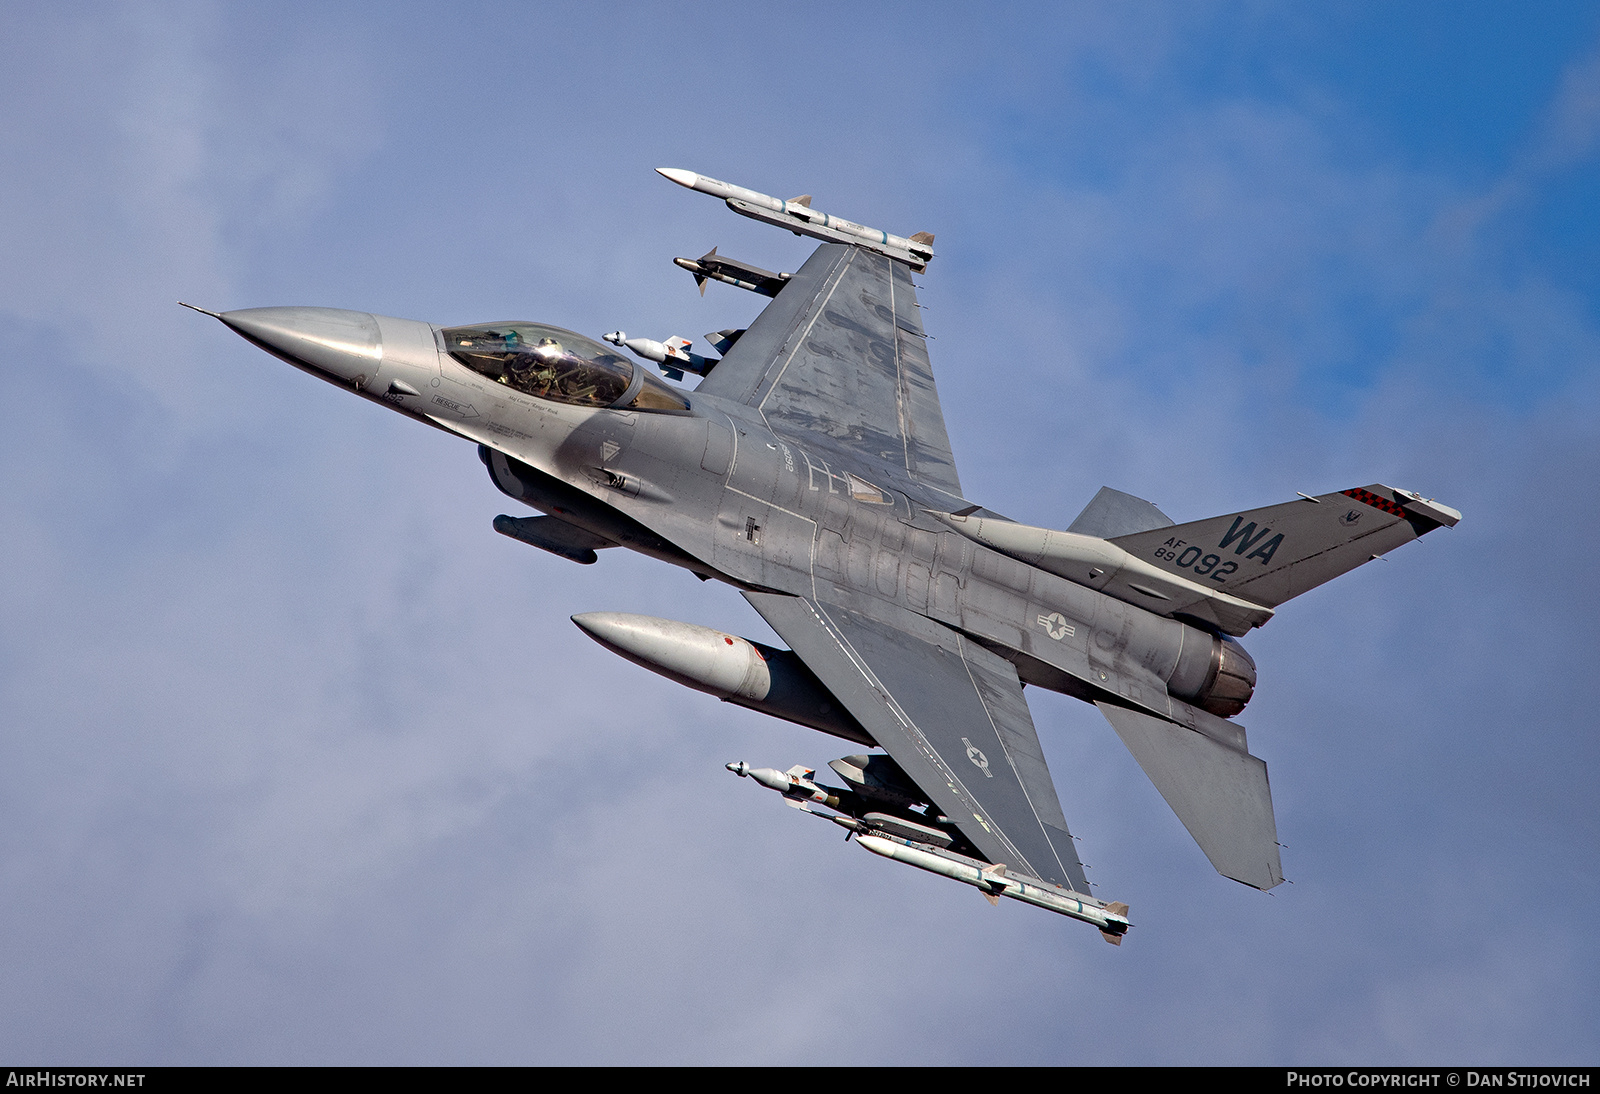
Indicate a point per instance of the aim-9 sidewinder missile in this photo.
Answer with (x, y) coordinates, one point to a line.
(797, 215)
(730, 271)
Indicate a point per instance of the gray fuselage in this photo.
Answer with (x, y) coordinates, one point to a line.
(715, 490)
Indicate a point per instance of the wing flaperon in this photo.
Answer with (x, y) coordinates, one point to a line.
(951, 714)
(840, 353)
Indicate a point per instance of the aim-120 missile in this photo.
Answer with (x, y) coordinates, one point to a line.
(798, 217)
(734, 669)
(994, 881)
(877, 833)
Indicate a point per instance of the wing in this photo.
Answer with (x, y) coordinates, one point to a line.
(951, 714)
(841, 352)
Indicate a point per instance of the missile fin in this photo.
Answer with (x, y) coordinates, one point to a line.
(722, 341)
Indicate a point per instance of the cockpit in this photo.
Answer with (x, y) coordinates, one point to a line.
(551, 363)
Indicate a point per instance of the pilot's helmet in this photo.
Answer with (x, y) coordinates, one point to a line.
(548, 350)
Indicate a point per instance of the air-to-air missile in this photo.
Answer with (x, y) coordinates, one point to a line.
(797, 215)
(730, 271)
(905, 840)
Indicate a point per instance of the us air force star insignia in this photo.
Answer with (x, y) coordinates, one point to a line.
(1055, 625)
(1350, 518)
(979, 760)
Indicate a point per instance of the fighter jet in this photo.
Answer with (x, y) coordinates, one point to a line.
(810, 468)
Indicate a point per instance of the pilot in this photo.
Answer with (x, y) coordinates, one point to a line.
(519, 371)
(546, 356)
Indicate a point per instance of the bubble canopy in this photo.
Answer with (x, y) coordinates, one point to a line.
(559, 365)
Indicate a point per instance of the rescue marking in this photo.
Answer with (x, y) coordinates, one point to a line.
(463, 409)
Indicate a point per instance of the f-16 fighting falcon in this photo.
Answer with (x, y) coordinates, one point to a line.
(810, 468)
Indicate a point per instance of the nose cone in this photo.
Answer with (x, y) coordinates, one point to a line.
(343, 345)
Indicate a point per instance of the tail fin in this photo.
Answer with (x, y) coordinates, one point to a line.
(1271, 555)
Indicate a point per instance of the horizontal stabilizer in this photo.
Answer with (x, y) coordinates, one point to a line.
(1219, 793)
(1270, 555)
(1112, 513)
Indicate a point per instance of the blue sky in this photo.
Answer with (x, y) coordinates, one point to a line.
(301, 763)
